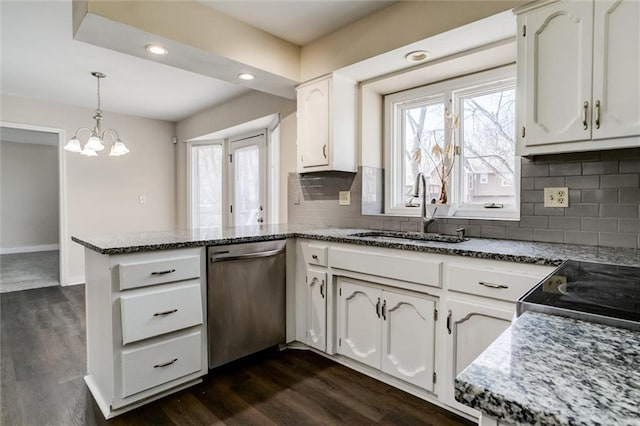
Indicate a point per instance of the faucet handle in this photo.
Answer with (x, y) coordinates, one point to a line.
(460, 232)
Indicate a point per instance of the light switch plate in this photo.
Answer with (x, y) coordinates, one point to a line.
(556, 197)
(344, 198)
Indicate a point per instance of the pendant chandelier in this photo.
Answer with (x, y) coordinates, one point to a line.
(96, 140)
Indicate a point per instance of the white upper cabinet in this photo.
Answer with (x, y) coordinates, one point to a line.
(578, 67)
(326, 125)
(616, 68)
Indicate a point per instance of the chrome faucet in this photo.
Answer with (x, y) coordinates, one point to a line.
(426, 221)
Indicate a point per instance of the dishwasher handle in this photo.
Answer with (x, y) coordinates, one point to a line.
(228, 257)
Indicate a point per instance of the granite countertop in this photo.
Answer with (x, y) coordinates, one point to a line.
(552, 370)
(508, 250)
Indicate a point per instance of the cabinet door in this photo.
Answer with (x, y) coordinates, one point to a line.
(317, 309)
(313, 123)
(616, 69)
(471, 328)
(359, 322)
(408, 338)
(558, 73)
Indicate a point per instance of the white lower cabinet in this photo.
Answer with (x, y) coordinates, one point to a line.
(471, 327)
(388, 329)
(146, 325)
(316, 311)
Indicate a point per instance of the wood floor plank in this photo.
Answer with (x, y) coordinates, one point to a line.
(43, 360)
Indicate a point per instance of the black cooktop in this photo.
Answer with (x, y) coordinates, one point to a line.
(593, 291)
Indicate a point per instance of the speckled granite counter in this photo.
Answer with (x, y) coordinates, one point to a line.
(552, 370)
(508, 250)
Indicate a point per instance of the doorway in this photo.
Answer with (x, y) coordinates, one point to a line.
(30, 207)
(229, 181)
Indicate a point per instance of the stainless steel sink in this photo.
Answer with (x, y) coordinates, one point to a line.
(409, 236)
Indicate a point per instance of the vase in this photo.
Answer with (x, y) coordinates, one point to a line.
(443, 193)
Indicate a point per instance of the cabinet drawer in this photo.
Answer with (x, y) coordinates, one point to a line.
(159, 363)
(503, 285)
(158, 310)
(396, 265)
(316, 255)
(142, 274)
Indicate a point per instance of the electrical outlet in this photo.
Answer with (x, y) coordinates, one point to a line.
(344, 198)
(556, 197)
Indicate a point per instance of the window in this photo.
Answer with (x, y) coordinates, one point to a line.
(470, 120)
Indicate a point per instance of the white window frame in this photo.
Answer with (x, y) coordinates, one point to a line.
(453, 90)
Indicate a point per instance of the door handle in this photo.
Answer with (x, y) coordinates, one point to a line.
(378, 308)
(585, 110)
(384, 310)
(449, 322)
(597, 113)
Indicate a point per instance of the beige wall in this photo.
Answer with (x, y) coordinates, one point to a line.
(102, 192)
(241, 110)
(399, 25)
(29, 195)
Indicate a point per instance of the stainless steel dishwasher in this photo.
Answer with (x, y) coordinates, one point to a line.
(246, 299)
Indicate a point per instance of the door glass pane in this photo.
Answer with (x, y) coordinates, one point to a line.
(247, 204)
(207, 186)
(488, 148)
(423, 135)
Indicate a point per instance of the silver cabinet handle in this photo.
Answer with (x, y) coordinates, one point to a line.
(585, 110)
(322, 289)
(492, 285)
(384, 310)
(324, 151)
(378, 308)
(168, 271)
(597, 120)
(165, 364)
(161, 314)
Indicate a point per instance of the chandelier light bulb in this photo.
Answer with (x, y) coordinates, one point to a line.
(118, 148)
(73, 145)
(88, 151)
(95, 143)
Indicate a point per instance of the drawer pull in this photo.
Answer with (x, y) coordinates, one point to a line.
(165, 364)
(492, 285)
(160, 314)
(168, 271)
(314, 256)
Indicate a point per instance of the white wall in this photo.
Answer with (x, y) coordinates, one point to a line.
(29, 195)
(102, 192)
(240, 110)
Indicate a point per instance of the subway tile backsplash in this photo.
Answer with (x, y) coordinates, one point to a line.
(604, 201)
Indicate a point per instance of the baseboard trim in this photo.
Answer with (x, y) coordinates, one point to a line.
(29, 249)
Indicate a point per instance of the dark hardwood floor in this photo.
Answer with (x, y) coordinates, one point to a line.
(43, 362)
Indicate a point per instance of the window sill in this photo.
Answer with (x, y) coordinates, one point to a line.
(448, 211)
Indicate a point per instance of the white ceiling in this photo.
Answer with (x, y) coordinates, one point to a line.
(41, 60)
(298, 21)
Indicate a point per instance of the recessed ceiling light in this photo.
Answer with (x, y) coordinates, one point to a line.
(417, 56)
(156, 49)
(246, 76)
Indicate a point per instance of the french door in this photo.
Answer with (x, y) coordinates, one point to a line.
(229, 182)
(248, 180)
